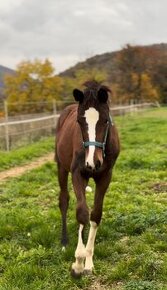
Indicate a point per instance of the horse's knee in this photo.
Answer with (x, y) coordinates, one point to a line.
(82, 214)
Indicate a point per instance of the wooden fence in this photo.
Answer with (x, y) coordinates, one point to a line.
(15, 133)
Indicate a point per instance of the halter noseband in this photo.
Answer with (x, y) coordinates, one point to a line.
(97, 144)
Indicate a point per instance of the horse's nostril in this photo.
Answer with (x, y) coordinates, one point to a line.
(88, 166)
(98, 164)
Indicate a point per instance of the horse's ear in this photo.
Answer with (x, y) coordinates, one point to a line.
(78, 95)
(102, 96)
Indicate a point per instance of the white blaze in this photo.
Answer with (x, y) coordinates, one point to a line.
(92, 116)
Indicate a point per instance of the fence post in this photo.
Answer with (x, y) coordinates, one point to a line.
(6, 125)
(131, 107)
(54, 107)
(54, 111)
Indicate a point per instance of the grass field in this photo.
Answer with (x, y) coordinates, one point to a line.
(131, 244)
(25, 154)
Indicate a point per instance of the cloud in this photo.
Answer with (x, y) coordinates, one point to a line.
(69, 30)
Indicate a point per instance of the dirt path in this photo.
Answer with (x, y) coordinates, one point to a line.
(19, 170)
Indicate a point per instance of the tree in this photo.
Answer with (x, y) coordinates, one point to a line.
(135, 83)
(148, 91)
(80, 77)
(33, 87)
(159, 77)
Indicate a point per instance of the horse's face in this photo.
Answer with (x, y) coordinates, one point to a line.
(93, 118)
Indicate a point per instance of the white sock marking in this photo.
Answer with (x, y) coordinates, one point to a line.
(92, 116)
(90, 246)
(80, 253)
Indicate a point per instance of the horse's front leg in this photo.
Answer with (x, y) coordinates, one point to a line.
(80, 254)
(82, 215)
(96, 214)
(90, 248)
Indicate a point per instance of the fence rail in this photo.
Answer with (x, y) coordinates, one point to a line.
(18, 132)
(19, 122)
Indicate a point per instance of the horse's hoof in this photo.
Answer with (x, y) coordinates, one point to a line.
(75, 274)
(88, 272)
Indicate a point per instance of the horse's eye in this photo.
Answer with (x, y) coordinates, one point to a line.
(107, 121)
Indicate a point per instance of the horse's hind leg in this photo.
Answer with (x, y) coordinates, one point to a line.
(63, 202)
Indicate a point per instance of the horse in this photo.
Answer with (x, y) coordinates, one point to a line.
(87, 146)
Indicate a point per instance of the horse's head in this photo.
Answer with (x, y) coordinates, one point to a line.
(94, 119)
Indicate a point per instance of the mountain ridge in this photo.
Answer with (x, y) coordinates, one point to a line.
(106, 58)
(106, 61)
(5, 70)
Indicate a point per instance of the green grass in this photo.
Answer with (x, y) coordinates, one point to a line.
(131, 244)
(25, 154)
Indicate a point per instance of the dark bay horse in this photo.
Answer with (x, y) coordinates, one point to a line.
(87, 145)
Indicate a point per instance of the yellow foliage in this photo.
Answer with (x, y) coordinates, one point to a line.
(35, 84)
(134, 79)
(84, 75)
(148, 92)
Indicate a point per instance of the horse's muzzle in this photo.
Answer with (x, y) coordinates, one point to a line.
(95, 167)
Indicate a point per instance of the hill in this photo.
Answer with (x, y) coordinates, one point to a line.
(103, 61)
(3, 71)
(135, 73)
(107, 61)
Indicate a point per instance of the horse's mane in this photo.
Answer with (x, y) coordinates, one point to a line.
(94, 85)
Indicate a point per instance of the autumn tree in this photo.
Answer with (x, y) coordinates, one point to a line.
(134, 78)
(147, 90)
(33, 87)
(80, 77)
(159, 76)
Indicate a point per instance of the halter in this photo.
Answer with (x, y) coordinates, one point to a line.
(97, 144)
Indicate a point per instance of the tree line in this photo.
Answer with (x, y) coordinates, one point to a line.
(139, 75)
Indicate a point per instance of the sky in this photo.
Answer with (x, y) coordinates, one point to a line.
(69, 31)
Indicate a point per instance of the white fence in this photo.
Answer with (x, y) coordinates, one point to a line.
(18, 132)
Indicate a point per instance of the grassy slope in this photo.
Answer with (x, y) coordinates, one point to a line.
(25, 154)
(131, 244)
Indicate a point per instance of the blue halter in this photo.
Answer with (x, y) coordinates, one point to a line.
(97, 144)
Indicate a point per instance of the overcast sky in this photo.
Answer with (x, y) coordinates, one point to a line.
(68, 31)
